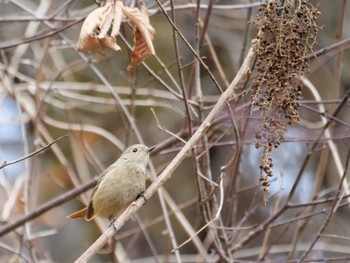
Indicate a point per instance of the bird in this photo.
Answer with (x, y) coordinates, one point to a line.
(119, 185)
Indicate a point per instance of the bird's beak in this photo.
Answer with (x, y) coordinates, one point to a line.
(150, 149)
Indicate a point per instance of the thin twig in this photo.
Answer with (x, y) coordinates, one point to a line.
(52, 32)
(165, 130)
(217, 214)
(191, 48)
(341, 45)
(332, 210)
(6, 163)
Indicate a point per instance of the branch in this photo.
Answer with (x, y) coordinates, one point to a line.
(6, 163)
(332, 211)
(48, 206)
(185, 151)
(54, 31)
(341, 45)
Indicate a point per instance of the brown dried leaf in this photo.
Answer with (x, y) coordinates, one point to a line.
(93, 33)
(106, 21)
(118, 15)
(144, 32)
(110, 42)
(140, 51)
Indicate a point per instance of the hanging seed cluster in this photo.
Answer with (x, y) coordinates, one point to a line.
(287, 32)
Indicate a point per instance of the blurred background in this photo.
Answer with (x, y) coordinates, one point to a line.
(48, 89)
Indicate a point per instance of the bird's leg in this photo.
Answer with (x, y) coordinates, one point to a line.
(141, 194)
(112, 220)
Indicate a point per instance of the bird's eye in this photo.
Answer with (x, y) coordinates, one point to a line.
(134, 150)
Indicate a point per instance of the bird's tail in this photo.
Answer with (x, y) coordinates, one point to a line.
(80, 213)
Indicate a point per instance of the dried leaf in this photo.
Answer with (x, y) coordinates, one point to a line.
(140, 51)
(110, 42)
(97, 25)
(93, 34)
(106, 21)
(118, 15)
(144, 32)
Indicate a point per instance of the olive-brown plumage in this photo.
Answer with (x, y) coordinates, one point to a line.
(119, 185)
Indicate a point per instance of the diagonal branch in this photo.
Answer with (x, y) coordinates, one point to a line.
(47, 206)
(185, 151)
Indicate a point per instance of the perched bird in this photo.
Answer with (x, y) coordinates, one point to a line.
(119, 185)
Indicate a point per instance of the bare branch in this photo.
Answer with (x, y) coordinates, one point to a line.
(6, 163)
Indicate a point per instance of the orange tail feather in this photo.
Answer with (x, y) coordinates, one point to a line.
(77, 214)
(81, 213)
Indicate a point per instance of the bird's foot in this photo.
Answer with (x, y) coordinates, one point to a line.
(112, 221)
(141, 194)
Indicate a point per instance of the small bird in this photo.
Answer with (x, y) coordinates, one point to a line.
(119, 185)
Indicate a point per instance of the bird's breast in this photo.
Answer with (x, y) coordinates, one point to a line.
(118, 189)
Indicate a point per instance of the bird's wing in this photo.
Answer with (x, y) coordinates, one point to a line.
(90, 214)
